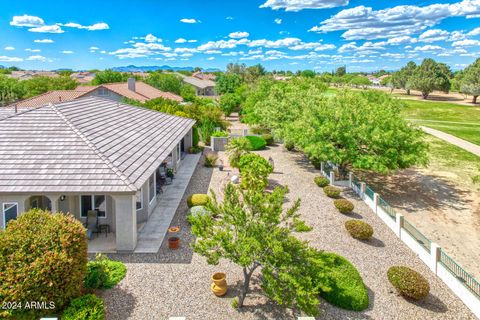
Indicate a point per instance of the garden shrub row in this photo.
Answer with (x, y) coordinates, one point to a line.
(331, 191)
(408, 282)
(197, 199)
(359, 229)
(343, 205)
(321, 181)
(103, 273)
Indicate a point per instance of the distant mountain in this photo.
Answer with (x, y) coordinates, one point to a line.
(132, 68)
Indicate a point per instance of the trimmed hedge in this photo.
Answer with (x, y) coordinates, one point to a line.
(43, 257)
(257, 143)
(103, 273)
(197, 199)
(343, 205)
(321, 181)
(347, 288)
(88, 307)
(268, 139)
(408, 282)
(359, 229)
(331, 191)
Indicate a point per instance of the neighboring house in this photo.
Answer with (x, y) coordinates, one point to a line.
(29, 74)
(202, 87)
(83, 77)
(135, 90)
(53, 96)
(89, 154)
(204, 76)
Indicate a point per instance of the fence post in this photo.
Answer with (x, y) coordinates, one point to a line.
(375, 201)
(332, 177)
(435, 254)
(363, 187)
(245, 132)
(399, 218)
(350, 180)
(321, 167)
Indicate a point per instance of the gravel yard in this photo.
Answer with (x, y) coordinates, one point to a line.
(177, 283)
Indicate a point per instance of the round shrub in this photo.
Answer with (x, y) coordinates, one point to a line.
(409, 283)
(321, 181)
(198, 199)
(359, 229)
(257, 143)
(43, 257)
(289, 145)
(88, 307)
(103, 273)
(347, 289)
(198, 210)
(254, 170)
(343, 205)
(268, 139)
(332, 191)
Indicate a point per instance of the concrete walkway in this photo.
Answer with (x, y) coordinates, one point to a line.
(151, 236)
(465, 145)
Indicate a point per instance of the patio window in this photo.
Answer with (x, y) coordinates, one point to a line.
(10, 212)
(151, 188)
(93, 202)
(139, 198)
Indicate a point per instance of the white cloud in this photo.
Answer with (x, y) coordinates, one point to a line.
(297, 5)
(229, 18)
(428, 48)
(103, 52)
(32, 50)
(286, 42)
(47, 29)
(43, 41)
(9, 48)
(401, 40)
(211, 58)
(312, 45)
(151, 38)
(192, 40)
(222, 44)
(67, 52)
(185, 20)
(37, 58)
(93, 27)
(239, 35)
(10, 59)
(140, 50)
(213, 52)
(278, 21)
(474, 32)
(369, 46)
(365, 23)
(181, 40)
(94, 48)
(182, 50)
(466, 43)
(433, 35)
(26, 21)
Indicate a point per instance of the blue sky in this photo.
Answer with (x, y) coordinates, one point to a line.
(280, 34)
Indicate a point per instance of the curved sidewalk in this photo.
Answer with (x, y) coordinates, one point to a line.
(465, 145)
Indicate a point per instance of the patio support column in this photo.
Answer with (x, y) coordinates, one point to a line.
(125, 222)
(187, 141)
(175, 158)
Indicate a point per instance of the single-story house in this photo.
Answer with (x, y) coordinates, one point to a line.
(89, 155)
(83, 77)
(29, 74)
(203, 87)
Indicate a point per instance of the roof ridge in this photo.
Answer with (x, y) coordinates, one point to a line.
(109, 164)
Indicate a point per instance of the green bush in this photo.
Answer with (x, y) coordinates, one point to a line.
(301, 226)
(268, 139)
(193, 150)
(222, 134)
(259, 130)
(409, 283)
(198, 199)
(236, 148)
(103, 273)
(343, 205)
(332, 191)
(210, 160)
(195, 137)
(257, 143)
(347, 289)
(43, 257)
(254, 170)
(359, 229)
(197, 210)
(289, 145)
(321, 181)
(88, 307)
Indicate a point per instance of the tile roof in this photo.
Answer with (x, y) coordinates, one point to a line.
(86, 145)
(199, 83)
(50, 97)
(143, 92)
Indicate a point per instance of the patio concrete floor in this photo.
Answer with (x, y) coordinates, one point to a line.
(151, 235)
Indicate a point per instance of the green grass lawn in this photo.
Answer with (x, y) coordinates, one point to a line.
(458, 120)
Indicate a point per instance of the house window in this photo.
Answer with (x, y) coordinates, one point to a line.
(10, 212)
(151, 188)
(93, 202)
(139, 197)
(102, 91)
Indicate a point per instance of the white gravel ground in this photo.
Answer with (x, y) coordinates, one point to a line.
(177, 283)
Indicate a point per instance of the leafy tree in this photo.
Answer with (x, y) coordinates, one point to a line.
(165, 82)
(236, 68)
(254, 72)
(110, 76)
(229, 102)
(251, 229)
(188, 93)
(470, 80)
(10, 90)
(39, 85)
(430, 76)
(228, 82)
(255, 170)
(308, 73)
(360, 81)
(341, 71)
(236, 148)
(402, 78)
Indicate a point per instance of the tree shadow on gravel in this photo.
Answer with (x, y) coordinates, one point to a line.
(374, 242)
(119, 303)
(431, 303)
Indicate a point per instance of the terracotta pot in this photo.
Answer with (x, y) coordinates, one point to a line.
(173, 243)
(219, 285)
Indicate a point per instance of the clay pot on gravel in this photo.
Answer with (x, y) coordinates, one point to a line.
(219, 285)
(174, 243)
